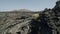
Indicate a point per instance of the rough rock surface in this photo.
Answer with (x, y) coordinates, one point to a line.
(23, 23)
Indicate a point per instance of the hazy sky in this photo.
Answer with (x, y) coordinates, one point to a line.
(26, 4)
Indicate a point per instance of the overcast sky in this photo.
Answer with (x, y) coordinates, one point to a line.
(33, 5)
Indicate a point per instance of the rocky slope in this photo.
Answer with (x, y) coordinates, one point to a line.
(17, 22)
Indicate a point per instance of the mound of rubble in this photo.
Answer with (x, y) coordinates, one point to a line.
(48, 22)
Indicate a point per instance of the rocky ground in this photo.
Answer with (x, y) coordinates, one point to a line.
(22, 22)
